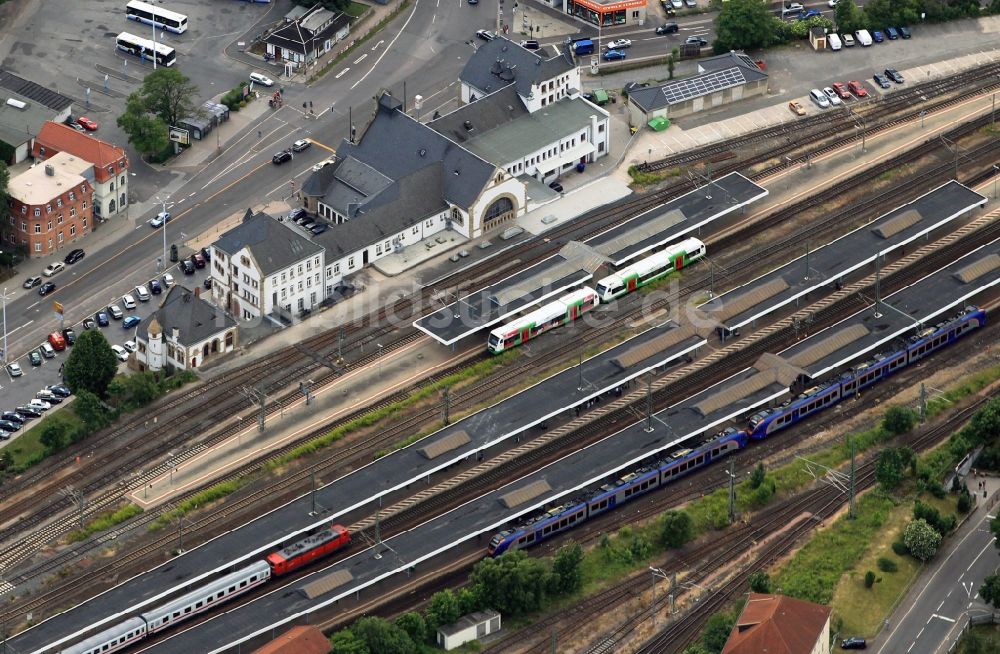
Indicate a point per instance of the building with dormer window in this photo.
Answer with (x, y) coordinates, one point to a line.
(539, 81)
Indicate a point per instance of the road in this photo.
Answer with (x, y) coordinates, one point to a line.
(932, 616)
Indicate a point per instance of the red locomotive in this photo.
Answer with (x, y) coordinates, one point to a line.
(308, 549)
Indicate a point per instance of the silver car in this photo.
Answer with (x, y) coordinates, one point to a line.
(819, 98)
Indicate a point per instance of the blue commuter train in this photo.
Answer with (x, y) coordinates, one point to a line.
(681, 461)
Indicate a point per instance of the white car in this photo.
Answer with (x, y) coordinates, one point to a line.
(261, 79)
(129, 346)
(128, 301)
(792, 8)
(832, 3)
(832, 96)
(120, 352)
(677, 4)
(53, 268)
(14, 370)
(323, 164)
(168, 280)
(159, 219)
(620, 43)
(142, 293)
(819, 98)
(301, 145)
(41, 405)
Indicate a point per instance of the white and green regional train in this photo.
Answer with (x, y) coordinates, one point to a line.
(572, 305)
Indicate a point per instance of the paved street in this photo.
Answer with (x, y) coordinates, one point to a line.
(946, 593)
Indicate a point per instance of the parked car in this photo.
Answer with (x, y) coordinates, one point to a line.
(308, 223)
(894, 75)
(806, 15)
(690, 4)
(667, 28)
(797, 108)
(853, 643)
(115, 312)
(120, 352)
(74, 256)
(48, 396)
(128, 301)
(131, 321)
(102, 318)
(155, 287)
(891, 33)
(556, 186)
(531, 44)
(295, 214)
(32, 282)
(142, 293)
(29, 411)
(14, 369)
(281, 157)
(848, 40)
(696, 40)
(613, 55)
(88, 323)
(40, 405)
(301, 145)
(53, 268)
(261, 79)
(87, 124)
(857, 88)
(13, 416)
(59, 389)
(792, 8)
(841, 90)
(205, 252)
(129, 346)
(168, 280)
(904, 32)
(198, 260)
(46, 288)
(8, 426)
(70, 336)
(319, 228)
(881, 81)
(160, 219)
(47, 351)
(485, 35)
(618, 44)
(187, 267)
(878, 36)
(819, 98)
(57, 341)
(677, 4)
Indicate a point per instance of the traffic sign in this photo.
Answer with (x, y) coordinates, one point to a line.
(57, 307)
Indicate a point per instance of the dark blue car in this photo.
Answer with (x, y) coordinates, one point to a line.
(612, 55)
(102, 319)
(131, 322)
(877, 36)
(891, 33)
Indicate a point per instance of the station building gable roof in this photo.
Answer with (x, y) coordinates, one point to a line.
(194, 319)
(778, 625)
(306, 29)
(476, 118)
(501, 62)
(396, 146)
(58, 137)
(273, 245)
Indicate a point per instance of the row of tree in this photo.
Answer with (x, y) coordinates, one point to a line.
(512, 584)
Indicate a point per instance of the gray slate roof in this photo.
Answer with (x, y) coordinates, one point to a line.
(397, 146)
(352, 184)
(405, 203)
(274, 246)
(317, 182)
(486, 113)
(194, 318)
(516, 65)
(305, 32)
(719, 73)
(40, 94)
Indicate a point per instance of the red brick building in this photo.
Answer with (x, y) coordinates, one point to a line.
(776, 624)
(51, 205)
(110, 164)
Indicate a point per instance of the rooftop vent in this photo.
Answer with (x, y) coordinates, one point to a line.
(422, 152)
(17, 104)
(50, 170)
(496, 67)
(468, 125)
(457, 173)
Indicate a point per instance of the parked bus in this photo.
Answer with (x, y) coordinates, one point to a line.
(143, 48)
(158, 16)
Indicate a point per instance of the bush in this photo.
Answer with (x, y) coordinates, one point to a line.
(676, 529)
(899, 549)
(921, 539)
(964, 504)
(869, 579)
(899, 419)
(886, 565)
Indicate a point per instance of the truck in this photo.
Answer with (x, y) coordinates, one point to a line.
(583, 47)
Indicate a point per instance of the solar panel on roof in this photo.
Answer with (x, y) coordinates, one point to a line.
(686, 89)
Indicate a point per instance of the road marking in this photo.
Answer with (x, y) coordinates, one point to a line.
(939, 606)
(33, 305)
(388, 47)
(341, 74)
(361, 58)
(911, 646)
(942, 617)
(24, 325)
(382, 41)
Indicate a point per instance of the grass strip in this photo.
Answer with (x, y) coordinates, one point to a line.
(104, 521)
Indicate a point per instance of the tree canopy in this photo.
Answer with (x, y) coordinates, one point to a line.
(849, 16)
(91, 364)
(169, 94)
(146, 131)
(921, 539)
(990, 590)
(676, 528)
(743, 24)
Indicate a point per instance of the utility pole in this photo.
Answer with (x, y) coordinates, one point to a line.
(378, 528)
(923, 402)
(878, 283)
(850, 507)
(447, 406)
(4, 298)
(263, 407)
(657, 572)
(732, 491)
(649, 402)
(312, 494)
(78, 498)
(807, 261)
(340, 345)
(579, 368)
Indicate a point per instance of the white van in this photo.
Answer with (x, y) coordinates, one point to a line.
(863, 37)
(819, 98)
(261, 79)
(834, 42)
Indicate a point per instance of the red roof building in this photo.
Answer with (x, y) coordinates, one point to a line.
(109, 161)
(775, 624)
(297, 640)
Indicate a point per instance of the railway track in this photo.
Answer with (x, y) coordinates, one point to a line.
(331, 462)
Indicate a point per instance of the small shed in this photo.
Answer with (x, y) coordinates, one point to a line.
(468, 628)
(817, 38)
(199, 127)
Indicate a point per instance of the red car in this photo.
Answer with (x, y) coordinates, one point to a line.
(87, 123)
(857, 88)
(841, 90)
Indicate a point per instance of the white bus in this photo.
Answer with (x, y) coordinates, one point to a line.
(143, 48)
(152, 15)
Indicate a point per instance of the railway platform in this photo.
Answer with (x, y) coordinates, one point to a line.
(694, 213)
(764, 384)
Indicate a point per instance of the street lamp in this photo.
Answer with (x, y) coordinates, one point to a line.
(163, 227)
(657, 572)
(996, 170)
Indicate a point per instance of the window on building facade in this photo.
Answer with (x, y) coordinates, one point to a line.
(121, 181)
(24, 209)
(300, 285)
(283, 278)
(378, 248)
(121, 201)
(309, 266)
(72, 212)
(83, 205)
(60, 237)
(283, 294)
(302, 304)
(48, 208)
(58, 202)
(85, 222)
(72, 196)
(336, 268)
(316, 262)
(24, 226)
(38, 247)
(38, 228)
(59, 219)
(38, 212)
(350, 263)
(49, 228)
(72, 230)
(300, 268)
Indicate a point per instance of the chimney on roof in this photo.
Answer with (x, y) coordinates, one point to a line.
(50, 170)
